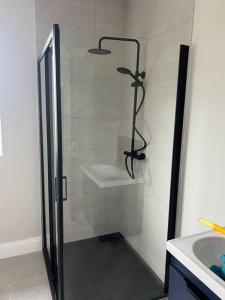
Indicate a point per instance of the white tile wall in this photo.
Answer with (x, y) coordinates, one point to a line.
(82, 134)
(108, 101)
(115, 7)
(106, 132)
(77, 23)
(110, 24)
(164, 18)
(105, 69)
(82, 104)
(90, 4)
(81, 65)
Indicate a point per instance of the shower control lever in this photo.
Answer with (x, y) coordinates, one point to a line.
(142, 74)
(135, 155)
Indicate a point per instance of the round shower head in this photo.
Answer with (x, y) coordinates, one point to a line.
(99, 51)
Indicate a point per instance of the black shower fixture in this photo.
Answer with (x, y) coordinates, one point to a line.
(133, 153)
(128, 72)
(99, 51)
(136, 82)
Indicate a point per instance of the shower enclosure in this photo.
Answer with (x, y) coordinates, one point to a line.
(110, 137)
(51, 160)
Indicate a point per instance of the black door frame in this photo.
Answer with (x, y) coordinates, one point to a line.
(176, 157)
(55, 280)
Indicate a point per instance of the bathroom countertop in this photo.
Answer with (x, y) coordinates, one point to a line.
(183, 250)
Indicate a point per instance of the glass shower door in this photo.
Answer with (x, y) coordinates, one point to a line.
(51, 159)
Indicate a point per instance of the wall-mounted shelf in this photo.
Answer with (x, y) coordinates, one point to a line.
(109, 175)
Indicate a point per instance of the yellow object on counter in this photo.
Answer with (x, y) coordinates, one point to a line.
(215, 227)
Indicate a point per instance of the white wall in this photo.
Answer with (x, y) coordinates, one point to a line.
(19, 165)
(204, 188)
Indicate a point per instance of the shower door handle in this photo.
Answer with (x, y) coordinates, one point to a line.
(64, 178)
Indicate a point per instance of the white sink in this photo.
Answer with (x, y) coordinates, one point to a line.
(209, 249)
(197, 253)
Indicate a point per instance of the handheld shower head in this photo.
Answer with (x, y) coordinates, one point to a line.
(136, 82)
(123, 70)
(126, 72)
(99, 51)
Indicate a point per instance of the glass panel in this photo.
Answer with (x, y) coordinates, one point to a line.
(50, 160)
(53, 160)
(45, 156)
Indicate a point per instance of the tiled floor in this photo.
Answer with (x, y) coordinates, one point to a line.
(24, 278)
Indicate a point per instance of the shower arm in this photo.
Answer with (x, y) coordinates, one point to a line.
(114, 38)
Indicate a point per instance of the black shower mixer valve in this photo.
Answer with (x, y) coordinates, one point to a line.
(142, 74)
(137, 81)
(135, 155)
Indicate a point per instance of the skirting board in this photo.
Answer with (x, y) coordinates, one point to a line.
(20, 247)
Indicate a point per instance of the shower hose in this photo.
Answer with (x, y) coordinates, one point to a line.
(135, 152)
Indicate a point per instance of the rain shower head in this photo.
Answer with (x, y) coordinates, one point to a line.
(99, 51)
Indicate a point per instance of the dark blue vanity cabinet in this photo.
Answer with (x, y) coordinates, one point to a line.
(183, 285)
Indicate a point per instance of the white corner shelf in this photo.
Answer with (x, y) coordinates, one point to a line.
(106, 175)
